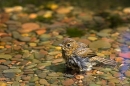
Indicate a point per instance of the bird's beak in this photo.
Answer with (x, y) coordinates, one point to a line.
(61, 45)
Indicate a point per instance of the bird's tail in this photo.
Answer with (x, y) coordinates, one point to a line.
(102, 60)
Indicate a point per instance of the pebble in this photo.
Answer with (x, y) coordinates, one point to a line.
(68, 82)
(100, 44)
(42, 75)
(3, 83)
(17, 8)
(25, 38)
(127, 73)
(16, 34)
(99, 19)
(126, 10)
(16, 83)
(92, 84)
(92, 38)
(45, 37)
(125, 55)
(28, 27)
(115, 80)
(57, 61)
(33, 16)
(53, 74)
(32, 44)
(111, 83)
(34, 79)
(116, 74)
(101, 34)
(64, 10)
(12, 70)
(122, 29)
(54, 52)
(3, 67)
(10, 75)
(5, 56)
(43, 65)
(30, 66)
(41, 31)
(106, 30)
(26, 77)
(43, 82)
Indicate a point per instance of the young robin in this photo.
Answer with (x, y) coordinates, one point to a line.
(79, 57)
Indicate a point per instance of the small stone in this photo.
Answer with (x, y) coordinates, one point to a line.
(24, 38)
(16, 83)
(115, 80)
(53, 6)
(122, 29)
(5, 56)
(79, 77)
(64, 10)
(8, 9)
(53, 74)
(126, 10)
(106, 30)
(28, 27)
(116, 74)
(24, 34)
(100, 44)
(49, 57)
(124, 55)
(12, 70)
(45, 37)
(68, 82)
(10, 75)
(1, 47)
(33, 16)
(17, 8)
(119, 59)
(58, 48)
(3, 83)
(127, 73)
(48, 14)
(2, 61)
(34, 78)
(84, 41)
(103, 34)
(42, 75)
(41, 31)
(6, 39)
(57, 61)
(92, 38)
(43, 82)
(32, 44)
(54, 52)
(99, 19)
(92, 84)
(111, 84)
(26, 78)
(31, 66)
(43, 65)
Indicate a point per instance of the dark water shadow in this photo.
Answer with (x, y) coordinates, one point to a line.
(60, 67)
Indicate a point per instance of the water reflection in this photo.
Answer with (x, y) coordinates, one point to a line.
(125, 53)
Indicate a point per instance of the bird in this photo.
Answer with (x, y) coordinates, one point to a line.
(79, 57)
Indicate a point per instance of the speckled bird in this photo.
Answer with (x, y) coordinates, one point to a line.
(78, 56)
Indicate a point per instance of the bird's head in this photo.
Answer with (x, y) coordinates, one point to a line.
(69, 45)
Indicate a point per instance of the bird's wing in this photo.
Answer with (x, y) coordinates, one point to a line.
(84, 52)
(102, 60)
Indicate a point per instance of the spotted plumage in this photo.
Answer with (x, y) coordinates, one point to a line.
(78, 56)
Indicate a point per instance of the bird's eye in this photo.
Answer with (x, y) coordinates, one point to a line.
(68, 45)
